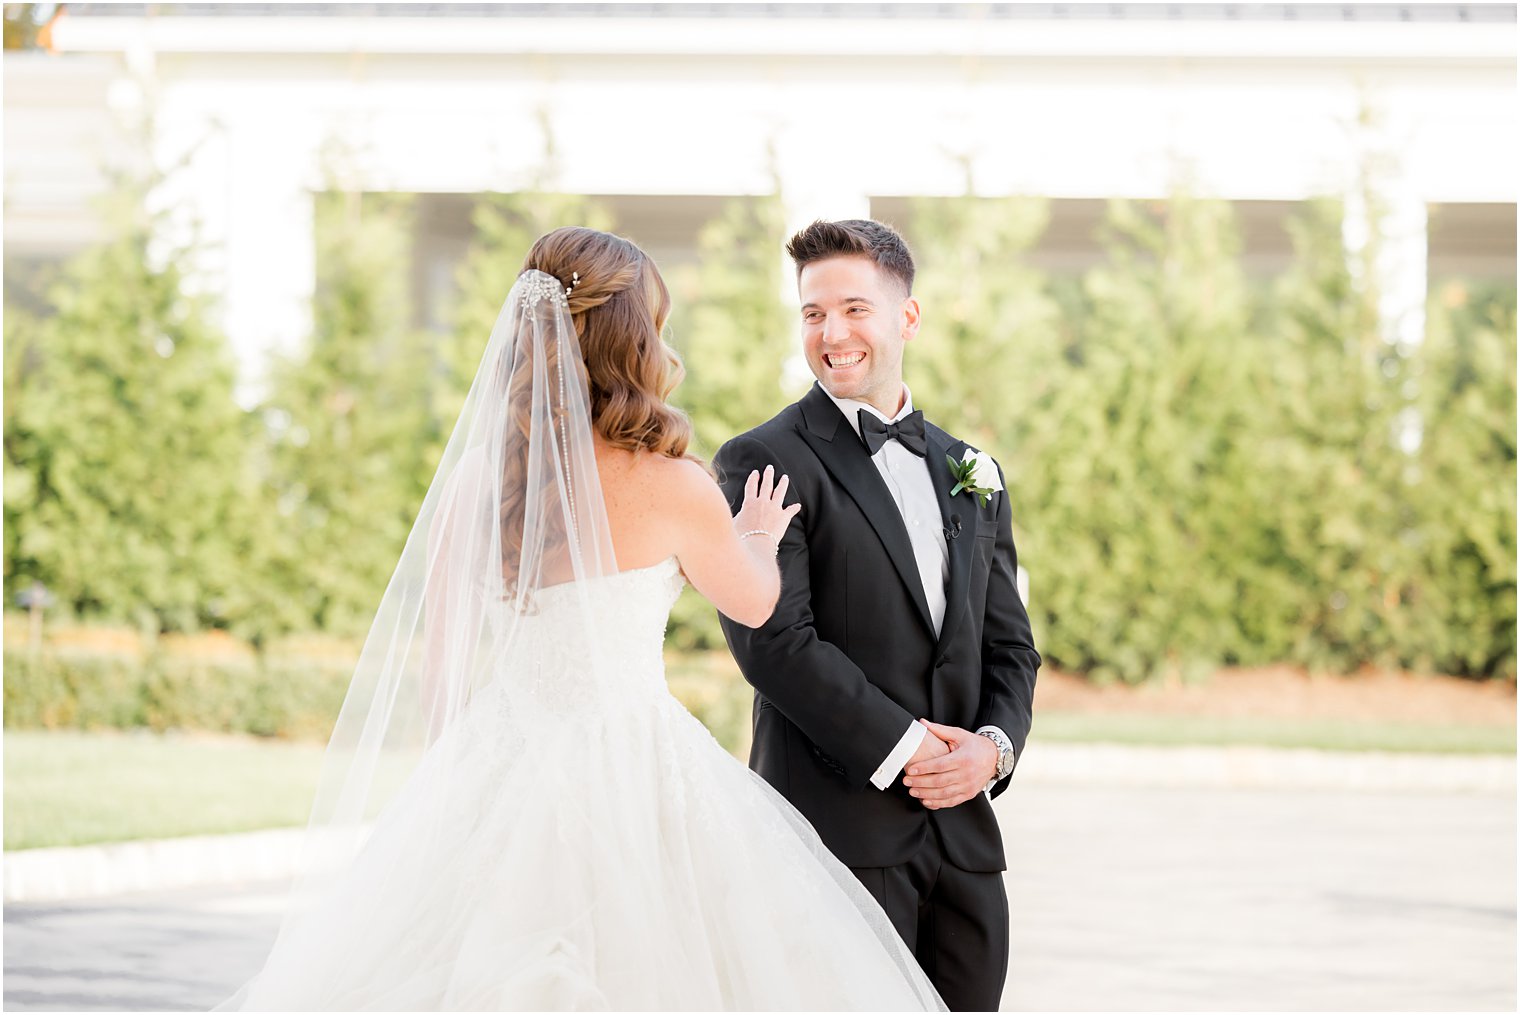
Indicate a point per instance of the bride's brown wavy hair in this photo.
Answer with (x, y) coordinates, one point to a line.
(619, 308)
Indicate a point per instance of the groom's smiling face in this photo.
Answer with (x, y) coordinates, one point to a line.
(855, 321)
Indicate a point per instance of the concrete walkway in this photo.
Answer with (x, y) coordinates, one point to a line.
(1197, 900)
(1127, 898)
(38, 875)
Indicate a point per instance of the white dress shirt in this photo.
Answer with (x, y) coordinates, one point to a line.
(906, 476)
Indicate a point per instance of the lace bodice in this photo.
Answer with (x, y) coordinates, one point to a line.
(617, 620)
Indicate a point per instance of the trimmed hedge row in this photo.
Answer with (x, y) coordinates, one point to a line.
(289, 697)
(269, 697)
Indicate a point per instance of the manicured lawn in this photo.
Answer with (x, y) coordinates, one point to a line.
(68, 788)
(72, 788)
(1325, 734)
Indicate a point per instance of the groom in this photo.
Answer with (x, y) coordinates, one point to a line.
(894, 681)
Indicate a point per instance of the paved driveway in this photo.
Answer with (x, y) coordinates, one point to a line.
(1121, 899)
(1228, 900)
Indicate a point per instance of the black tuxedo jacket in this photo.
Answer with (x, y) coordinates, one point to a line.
(850, 658)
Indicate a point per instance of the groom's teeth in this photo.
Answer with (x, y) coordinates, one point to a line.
(846, 361)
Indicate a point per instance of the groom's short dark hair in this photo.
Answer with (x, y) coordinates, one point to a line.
(854, 238)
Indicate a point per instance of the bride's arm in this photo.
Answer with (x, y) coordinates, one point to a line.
(731, 560)
(809, 680)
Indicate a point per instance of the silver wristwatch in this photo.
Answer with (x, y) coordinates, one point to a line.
(1005, 752)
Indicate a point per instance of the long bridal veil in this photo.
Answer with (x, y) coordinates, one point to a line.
(514, 508)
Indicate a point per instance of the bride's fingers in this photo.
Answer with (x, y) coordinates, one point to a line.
(752, 485)
(767, 482)
(779, 495)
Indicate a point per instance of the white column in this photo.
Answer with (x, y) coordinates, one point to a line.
(812, 187)
(1403, 267)
(1383, 198)
(269, 247)
(1399, 218)
(238, 192)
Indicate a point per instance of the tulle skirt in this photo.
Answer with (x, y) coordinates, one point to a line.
(619, 859)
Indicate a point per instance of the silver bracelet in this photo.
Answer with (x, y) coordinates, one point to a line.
(775, 543)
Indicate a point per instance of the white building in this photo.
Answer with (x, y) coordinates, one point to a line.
(666, 109)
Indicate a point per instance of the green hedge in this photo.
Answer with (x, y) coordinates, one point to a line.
(274, 696)
(270, 697)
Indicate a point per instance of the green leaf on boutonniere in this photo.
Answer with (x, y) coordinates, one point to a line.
(964, 473)
(961, 473)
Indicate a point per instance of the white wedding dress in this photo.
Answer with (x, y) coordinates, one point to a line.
(563, 847)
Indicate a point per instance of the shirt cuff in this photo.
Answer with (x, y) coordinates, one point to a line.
(898, 759)
(999, 737)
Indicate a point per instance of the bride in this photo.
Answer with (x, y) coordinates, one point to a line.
(514, 813)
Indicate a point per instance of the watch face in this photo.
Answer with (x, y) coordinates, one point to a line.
(1005, 764)
(1005, 753)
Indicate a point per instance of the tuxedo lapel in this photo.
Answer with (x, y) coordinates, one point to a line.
(959, 515)
(845, 457)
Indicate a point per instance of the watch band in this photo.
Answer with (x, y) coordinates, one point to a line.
(1005, 751)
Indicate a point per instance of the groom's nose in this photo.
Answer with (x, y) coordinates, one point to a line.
(834, 328)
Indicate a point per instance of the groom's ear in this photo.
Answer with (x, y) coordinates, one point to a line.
(910, 318)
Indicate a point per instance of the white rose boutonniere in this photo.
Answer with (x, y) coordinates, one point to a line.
(976, 472)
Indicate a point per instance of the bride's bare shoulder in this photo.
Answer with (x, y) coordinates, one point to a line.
(675, 486)
(678, 481)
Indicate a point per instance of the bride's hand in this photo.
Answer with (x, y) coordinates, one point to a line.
(762, 510)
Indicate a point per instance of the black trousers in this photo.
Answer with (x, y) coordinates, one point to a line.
(955, 921)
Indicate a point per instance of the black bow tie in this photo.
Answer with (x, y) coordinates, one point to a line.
(908, 431)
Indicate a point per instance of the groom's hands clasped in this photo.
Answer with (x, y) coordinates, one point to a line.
(956, 775)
